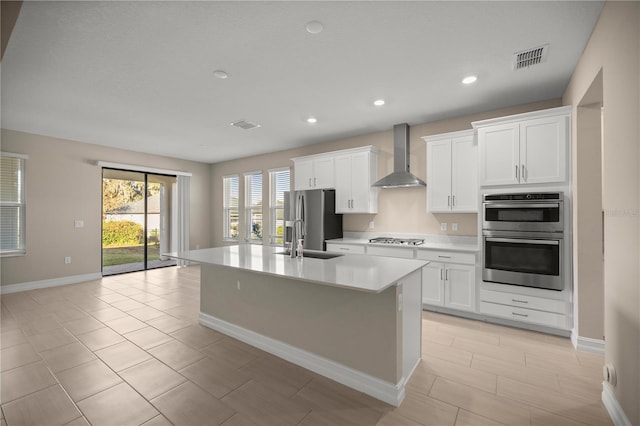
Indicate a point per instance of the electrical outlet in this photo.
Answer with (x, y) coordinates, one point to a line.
(67, 259)
(443, 226)
(78, 223)
(371, 225)
(454, 227)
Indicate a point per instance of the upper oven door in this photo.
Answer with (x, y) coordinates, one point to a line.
(523, 216)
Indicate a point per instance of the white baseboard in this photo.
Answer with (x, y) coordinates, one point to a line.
(612, 405)
(385, 391)
(587, 344)
(54, 282)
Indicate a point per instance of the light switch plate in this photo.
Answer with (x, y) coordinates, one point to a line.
(78, 223)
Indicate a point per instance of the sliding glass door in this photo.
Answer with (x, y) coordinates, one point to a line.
(136, 220)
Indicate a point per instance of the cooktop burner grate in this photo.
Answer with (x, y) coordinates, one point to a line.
(397, 241)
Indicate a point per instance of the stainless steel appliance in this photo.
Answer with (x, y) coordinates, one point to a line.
(401, 176)
(313, 213)
(538, 212)
(523, 238)
(397, 241)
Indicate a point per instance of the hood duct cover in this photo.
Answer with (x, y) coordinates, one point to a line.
(401, 176)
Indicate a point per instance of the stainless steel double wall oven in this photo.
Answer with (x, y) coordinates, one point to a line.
(523, 238)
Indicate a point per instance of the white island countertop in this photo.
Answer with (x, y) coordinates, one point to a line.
(352, 271)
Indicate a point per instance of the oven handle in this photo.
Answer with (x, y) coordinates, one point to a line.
(522, 241)
(521, 205)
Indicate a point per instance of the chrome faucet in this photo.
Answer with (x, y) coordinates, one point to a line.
(294, 236)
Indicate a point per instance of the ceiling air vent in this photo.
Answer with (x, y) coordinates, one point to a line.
(530, 57)
(246, 125)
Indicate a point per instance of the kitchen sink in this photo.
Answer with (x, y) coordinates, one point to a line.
(315, 254)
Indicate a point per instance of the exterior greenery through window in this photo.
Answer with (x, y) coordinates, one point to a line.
(279, 183)
(12, 204)
(230, 202)
(253, 206)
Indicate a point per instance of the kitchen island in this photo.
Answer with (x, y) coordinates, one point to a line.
(354, 318)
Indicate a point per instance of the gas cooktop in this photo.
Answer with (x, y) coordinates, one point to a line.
(397, 241)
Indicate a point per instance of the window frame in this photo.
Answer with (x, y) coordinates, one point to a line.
(227, 208)
(21, 204)
(274, 238)
(250, 209)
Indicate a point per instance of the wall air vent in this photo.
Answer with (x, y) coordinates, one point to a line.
(530, 57)
(246, 125)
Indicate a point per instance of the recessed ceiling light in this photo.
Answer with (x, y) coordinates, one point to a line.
(469, 79)
(378, 102)
(314, 27)
(312, 120)
(220, 74)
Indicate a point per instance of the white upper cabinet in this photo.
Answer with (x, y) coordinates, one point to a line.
(524, 149)
(452, 172)
(351, 172)
(314, 172)
(356, 171)
(543, 149)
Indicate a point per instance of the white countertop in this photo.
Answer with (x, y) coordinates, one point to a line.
(427, 245)
(351, 271)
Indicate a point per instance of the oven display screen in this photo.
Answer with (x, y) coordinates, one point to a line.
(522, 214)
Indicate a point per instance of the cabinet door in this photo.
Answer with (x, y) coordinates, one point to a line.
(439, 176)
(499, 154)
(433, 284)
(464, 175)
(460, 287)
(303, 174)
(360, 182)
(323, 169)
(343, 183)
(543, 146)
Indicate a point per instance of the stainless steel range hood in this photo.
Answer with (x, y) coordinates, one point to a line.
(401, 176)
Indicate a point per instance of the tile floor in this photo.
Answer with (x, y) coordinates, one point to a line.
(128, 350)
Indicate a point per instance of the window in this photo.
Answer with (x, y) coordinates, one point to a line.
(279, 181)
(12, 204)
(253, 206)
(230, 202)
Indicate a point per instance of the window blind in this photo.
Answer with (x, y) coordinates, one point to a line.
(12, 204)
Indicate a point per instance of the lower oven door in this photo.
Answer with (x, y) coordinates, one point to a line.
(530, 259)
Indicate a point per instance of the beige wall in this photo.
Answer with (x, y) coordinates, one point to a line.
(358, 329)
(63, 183)
(614, 48)
(401, 210)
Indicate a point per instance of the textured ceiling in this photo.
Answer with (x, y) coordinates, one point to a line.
(139, 75)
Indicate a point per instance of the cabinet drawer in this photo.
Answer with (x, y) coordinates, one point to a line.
(404, 252)
(345, 248)
(447, 256)
(549, 319)
(521, 301)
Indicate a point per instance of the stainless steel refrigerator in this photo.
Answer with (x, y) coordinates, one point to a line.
(317, 209)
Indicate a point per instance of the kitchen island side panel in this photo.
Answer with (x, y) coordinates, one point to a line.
(361, 330)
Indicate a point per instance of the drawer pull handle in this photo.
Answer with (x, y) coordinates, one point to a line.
(520, 315)
(519, 301)
(444, 257)
(344, 249)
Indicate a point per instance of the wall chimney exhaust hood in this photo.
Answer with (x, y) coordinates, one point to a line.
(401, 176)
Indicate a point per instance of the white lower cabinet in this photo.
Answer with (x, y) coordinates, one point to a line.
(345, 248)
(450, 285)
(525, 308)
